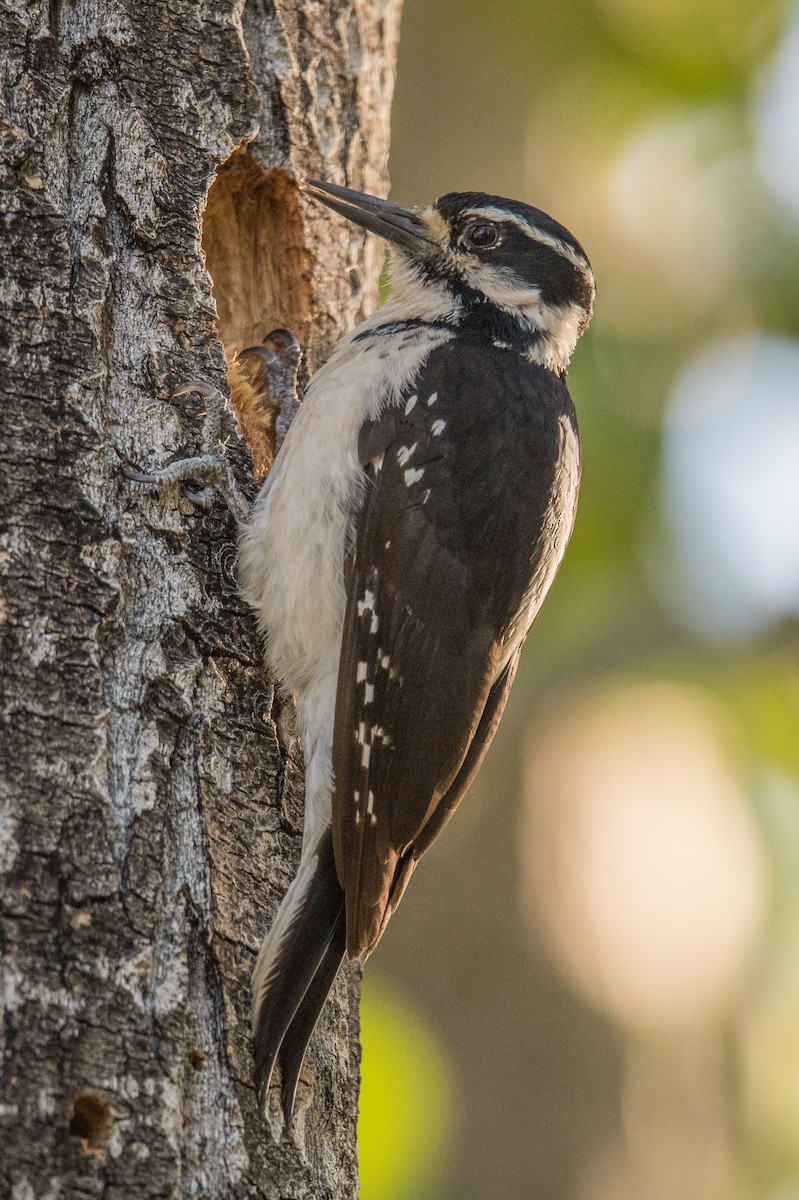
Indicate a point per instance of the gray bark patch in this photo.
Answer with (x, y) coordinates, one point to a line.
(151, 797)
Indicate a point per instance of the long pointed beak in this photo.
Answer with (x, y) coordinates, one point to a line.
(397, 225)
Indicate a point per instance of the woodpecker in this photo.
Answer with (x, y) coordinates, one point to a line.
(396, 557)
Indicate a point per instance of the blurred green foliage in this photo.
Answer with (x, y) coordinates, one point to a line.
(640, 125)
(407, 1099)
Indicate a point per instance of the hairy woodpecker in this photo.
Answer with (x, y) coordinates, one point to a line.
(396, 557)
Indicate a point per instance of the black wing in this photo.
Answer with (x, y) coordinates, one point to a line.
(472, 489)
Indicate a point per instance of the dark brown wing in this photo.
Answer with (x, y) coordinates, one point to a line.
(470, 501)
(495, 706)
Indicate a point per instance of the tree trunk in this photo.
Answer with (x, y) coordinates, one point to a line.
(152, 786)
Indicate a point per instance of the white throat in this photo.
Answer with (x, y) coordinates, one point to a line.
(558, 330)
(413, 298)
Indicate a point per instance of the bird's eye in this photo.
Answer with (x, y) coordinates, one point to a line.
(481, 236)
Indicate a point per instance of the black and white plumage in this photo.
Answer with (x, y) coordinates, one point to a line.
(397, 556)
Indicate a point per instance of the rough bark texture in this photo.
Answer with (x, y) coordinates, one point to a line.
(151, 783)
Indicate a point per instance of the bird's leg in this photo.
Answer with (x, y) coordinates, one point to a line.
(213, 472)
(281, 356)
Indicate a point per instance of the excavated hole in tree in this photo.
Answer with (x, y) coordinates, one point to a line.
(91, 1122)
(253, 241)
(196, 1059)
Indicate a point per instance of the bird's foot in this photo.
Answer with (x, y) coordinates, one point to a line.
(206, 475)
(203, 476)
(199, 478)
(281, 355)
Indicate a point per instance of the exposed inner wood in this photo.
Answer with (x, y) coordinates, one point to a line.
(91, 1122)
(253, 243)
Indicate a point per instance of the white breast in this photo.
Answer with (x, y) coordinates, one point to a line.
(291, 555)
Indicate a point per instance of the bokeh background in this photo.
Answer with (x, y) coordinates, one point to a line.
(591, 990)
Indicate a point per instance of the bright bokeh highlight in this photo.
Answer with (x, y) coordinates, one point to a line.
(644, 864)
(731, 484)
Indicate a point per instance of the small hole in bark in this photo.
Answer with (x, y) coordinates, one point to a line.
(91, 1122)
(196, 1059)
(253, 241)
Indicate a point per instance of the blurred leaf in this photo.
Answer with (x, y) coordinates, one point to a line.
(407, 1097)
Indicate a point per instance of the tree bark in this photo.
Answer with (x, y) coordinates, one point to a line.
(152, 786)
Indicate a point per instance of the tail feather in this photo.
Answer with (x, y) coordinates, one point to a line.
(298, 1034)
(290, 966)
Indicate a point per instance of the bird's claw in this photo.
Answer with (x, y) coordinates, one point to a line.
(270, 358)
(202, 388)
(211, 471)
(144, 481)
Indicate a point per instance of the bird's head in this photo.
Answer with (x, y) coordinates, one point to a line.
(501, 268)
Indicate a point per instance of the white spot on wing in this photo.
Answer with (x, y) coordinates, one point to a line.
(438, 427)
(366, 755)
(413, 475)
(431, 399)
(360, 674)
(404, 453)
(367, 604)
(409, 407)
(368, 693)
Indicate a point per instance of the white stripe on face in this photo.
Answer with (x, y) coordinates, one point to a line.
(490, 213)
